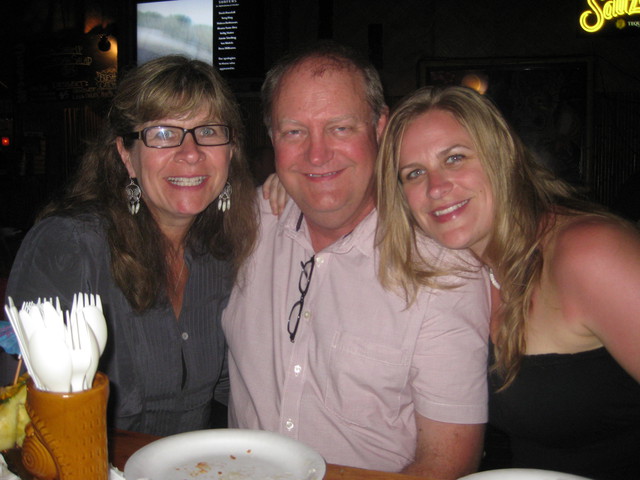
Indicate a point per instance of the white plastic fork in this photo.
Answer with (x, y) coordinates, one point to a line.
(91, 308)
(53, 322)
(23, 341)
(79, 361)
(80, 354)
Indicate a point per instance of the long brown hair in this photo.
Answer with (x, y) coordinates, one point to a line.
(170, 86)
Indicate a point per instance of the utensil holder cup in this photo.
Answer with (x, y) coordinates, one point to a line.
(67, 436)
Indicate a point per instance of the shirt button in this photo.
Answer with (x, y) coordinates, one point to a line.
(185, 335)
(307, 314)
(289, 424)
(297, 369)
(319, 260)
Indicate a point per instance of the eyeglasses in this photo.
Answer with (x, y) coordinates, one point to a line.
(162, 136)
(303, 286)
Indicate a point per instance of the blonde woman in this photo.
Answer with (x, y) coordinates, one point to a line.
(566, 279)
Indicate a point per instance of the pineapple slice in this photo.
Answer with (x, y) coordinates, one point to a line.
(13, 414)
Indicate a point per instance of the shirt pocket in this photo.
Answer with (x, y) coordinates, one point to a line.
(367, 380)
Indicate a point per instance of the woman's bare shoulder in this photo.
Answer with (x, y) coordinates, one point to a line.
(591, 260)
(590, 242)
(594, 268)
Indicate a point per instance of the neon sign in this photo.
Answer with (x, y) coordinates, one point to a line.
(593, 20)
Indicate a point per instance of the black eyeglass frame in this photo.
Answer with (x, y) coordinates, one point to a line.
(303, 293)
(142, 135)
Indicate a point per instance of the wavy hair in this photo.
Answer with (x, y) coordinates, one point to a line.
(524, 192)
(170, 86)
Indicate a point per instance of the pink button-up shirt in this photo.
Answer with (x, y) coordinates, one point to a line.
(362, 363)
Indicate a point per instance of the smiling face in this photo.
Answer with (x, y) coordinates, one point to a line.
(445, 182)
(325, 144)
(180, 182)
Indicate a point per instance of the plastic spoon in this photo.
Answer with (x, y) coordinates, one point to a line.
(94, 351)
(91, 308)
(50, 360)
(80, 354)
(95, 319)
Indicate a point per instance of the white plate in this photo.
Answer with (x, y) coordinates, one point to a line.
(521, 474)
(225, 454)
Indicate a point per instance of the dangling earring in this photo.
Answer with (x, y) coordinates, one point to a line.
(224, 199)
(133, 196)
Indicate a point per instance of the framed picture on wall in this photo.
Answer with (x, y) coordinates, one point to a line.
(547, 101)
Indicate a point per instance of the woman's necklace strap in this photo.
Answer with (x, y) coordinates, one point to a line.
(492, 277)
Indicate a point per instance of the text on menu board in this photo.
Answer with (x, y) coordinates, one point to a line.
(226, 12)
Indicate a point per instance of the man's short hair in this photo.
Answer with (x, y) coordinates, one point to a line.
(338, 57)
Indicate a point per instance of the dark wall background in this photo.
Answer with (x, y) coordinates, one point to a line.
(576, 96)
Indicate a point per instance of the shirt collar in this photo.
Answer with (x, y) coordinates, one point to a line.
(293, 224)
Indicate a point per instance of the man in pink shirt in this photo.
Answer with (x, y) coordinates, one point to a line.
(318, 349)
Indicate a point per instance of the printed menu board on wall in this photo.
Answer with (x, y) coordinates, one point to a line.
(68, 68)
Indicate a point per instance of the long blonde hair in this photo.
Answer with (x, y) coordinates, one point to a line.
(524, 192)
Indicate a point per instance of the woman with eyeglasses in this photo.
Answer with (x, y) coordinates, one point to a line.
(157, 221)
(565, 329)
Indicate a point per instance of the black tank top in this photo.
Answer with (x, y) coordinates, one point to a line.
(575, 413)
